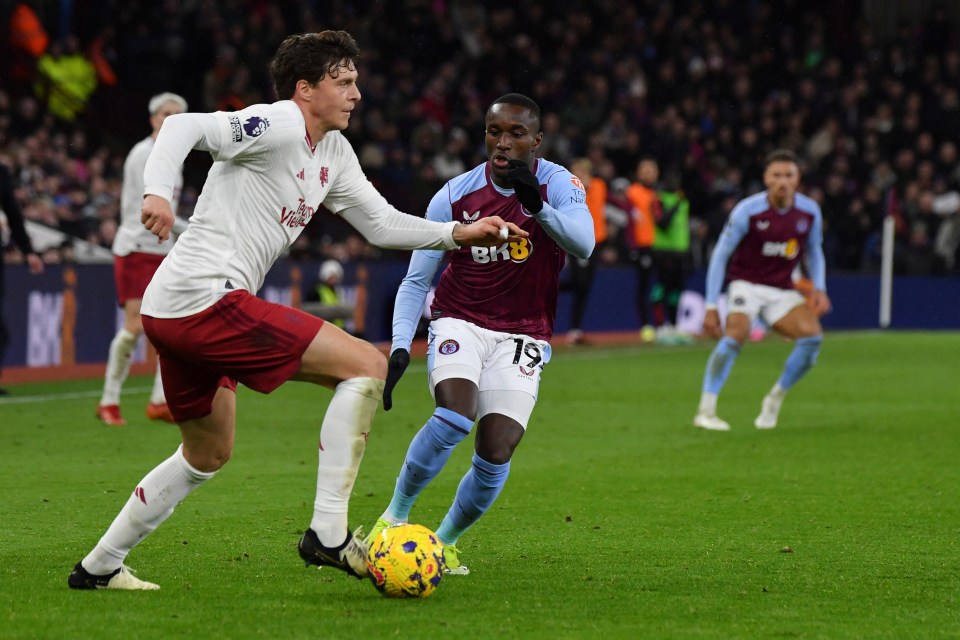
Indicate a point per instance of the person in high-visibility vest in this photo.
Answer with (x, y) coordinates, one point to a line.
(66, 79)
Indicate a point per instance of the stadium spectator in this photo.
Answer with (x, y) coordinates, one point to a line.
(675, 76)
(644, 213)
(767, 236)
(326, 300)
(947, 205)
(580, 270)
(487, 350)
(209, 329)
(66, 79)
(670, 251)
(18, 235)
(137, 256)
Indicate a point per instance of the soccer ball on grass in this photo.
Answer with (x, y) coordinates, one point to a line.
(405, 561)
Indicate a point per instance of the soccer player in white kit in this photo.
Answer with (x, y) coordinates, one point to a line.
(274, 164)
(137, 256)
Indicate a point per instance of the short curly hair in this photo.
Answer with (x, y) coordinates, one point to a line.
(310, 57)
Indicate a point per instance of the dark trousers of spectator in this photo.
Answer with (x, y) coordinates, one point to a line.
(4, 331)
(579, 283)
(671, 268)
(643, 259)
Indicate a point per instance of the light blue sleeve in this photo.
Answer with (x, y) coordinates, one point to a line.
(816, 264)
(420, 273)
(737, 226)
(569, 222)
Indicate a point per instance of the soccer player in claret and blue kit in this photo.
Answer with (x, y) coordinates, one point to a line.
(491, 318)
(764, 242)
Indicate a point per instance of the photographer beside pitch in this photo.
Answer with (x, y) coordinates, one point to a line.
(492, 317)
(763, 242)
(274, 164)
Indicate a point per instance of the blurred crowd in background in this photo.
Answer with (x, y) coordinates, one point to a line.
(705, 89)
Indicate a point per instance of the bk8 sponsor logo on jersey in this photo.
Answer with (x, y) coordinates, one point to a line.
(517, 252)
(788, 249)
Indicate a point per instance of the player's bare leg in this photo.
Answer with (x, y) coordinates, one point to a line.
(356, 370)
(207, 446)
(803, 326)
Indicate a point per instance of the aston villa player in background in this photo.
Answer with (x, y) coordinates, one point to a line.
(491, 318)
(764, 241)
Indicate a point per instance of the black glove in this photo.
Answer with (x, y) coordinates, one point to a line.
(525, 184)
(399, 360)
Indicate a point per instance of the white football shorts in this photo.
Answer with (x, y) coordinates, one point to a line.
(506, 367)
(770, 303)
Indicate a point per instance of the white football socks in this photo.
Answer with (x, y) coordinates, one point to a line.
(777, 392)
(708, 404)
(343, 439)
(152, 502)
(118, 366)
(156, 396)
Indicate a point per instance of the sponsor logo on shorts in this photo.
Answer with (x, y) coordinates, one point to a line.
(236, 132)
(527, 372)
(739, 301)
(255, 126)
(449, 347)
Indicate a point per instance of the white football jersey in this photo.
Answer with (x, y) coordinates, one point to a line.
(265, 184)
(131, 235)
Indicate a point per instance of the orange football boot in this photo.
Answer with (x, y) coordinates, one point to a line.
(159, 412)
(109, 414)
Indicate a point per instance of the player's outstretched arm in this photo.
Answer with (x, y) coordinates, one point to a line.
(487, 232)
(383, 225)
(157, 216)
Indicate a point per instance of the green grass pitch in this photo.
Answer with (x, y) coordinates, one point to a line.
(620, 520)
